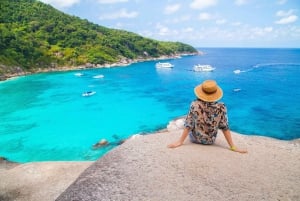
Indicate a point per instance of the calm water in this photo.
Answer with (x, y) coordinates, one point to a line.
(44, 116)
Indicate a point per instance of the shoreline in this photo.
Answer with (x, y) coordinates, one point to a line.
(122, 63)
(173, 126)
(141, 157)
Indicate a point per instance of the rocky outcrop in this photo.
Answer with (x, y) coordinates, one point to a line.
(143, 168)
(7, 164)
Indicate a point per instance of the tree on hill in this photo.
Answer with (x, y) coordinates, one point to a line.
(36, 35)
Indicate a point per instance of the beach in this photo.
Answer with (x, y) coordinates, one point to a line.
(143, 168)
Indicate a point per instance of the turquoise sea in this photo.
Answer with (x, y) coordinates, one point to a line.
(45, 117)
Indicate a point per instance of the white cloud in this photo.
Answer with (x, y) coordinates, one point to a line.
(61, 4)
(239, 35)
(162, 30)
(240, 2)
(178, 19)
(258, 31)
(221, 21)
(268, 29)
(281, 2)
(123, 13)
(172, 8)
(287, 17)
(295, 32)
(227, 37)
(288, 33)
(110, 1)
(202, 4)
(287, 20)
(236, 24)
(165, 32)
(283, 13)
(188, 29)
(205, 16)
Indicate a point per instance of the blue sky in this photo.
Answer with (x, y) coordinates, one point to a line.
(201, 23)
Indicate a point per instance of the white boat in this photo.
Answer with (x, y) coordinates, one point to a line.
(203, 68)
(237, 89)
(78, 74)
(164, 65)
(98, 76)
(237, 71)
(88, 93)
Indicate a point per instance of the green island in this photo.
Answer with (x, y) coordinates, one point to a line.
(35, 37)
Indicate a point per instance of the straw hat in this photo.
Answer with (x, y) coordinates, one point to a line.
(208, 91)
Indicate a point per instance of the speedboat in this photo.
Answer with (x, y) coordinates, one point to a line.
(203, 68)
(237, 89)
(237, 71)
(98, 76)
(88, 93)
(164, 65)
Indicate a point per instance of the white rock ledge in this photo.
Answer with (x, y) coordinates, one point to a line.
(143, 168)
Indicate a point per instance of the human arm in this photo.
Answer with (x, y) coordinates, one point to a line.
(227, 135)
(226, 131)
(180, 141)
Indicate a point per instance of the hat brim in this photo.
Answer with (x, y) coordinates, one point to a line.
(208, 97)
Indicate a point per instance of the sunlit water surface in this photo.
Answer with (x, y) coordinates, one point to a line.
(45, 117)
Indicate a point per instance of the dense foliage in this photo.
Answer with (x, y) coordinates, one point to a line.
(35, 35)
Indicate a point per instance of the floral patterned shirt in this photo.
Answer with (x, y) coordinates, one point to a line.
(204, 119)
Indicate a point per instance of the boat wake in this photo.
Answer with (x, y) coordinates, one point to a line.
(238, 71)
(276, 64)
(98, 76)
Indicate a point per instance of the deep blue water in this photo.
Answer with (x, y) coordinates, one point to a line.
(44, 116)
